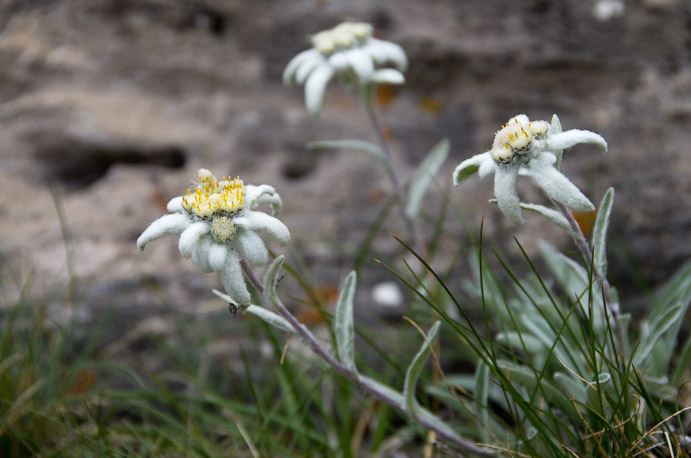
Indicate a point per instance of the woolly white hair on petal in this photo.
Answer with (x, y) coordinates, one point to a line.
(556, 185)
(217, 255)
(257, 220)
(175, 205)
(361, 63)
(573, 137)
(307, 68)
(487, 165)
(233, 282)
(339, 61)
(252, 247)
(468, 168)
(385, 51)
(315, 87)
(296, 62)
(263, 194)
(165, 225)
(388, 76)
(200, 254)
(505, 192)
(190, 236)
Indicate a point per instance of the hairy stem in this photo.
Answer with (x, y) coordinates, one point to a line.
(362, 383)
(584, 247)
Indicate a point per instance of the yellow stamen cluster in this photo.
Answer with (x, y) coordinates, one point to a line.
(212, 197)
(515, 138)
(343, 36)
(223, 228)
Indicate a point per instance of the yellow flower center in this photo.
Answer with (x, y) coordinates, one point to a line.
(223, 228)
(516, 139)
(343, 36)
(212, 197)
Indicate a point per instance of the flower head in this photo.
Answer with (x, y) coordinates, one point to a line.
(531, 149)
(217, 223)
(350, 51)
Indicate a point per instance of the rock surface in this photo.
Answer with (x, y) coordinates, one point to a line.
(116, 103)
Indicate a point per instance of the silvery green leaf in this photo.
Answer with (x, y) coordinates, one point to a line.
(357, 145)
(271, 318)
(523, 341)
(676, 290)
(595, 392)
(271, 278)
(656, 329)
(415, 368)
(555, 217)
(343, 326)
(423, 177)
(481, 393)
(574, 279)
(529, 379)
(536, 324)
(384, 389)
(555, 128)
(572, 386)
(660, 388)
(438, 423)
(683, 362)
(600, 232)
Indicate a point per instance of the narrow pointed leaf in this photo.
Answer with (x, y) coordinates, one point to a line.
(271, 318)
(260, 312)
(385, 390)
(683, 362)
(657, 329)
(357, 145)
(423, 177)
(600, 232)
(416, 365)
(555, 217)
(595, 392)
(343, 326)
(271, 277)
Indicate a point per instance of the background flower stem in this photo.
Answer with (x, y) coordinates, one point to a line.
(391, 169)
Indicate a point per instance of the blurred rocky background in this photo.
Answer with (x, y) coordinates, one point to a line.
(108, 107)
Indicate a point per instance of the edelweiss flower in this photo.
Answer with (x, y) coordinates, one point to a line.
(349, 50)
(217, 226)
(532, 149)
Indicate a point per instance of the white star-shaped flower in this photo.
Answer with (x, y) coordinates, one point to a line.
(217, 224)
(349, 50)
(531, 149)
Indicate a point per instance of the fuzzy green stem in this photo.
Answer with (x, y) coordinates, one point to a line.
(362, 383)
(583, 246)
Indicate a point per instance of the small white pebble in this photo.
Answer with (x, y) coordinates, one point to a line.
(387, 294)
(605, 10)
